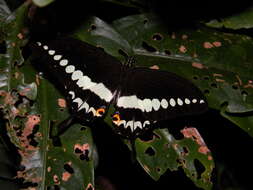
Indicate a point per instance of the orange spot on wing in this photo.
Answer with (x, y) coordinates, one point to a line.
(62, 103)
(66, 176)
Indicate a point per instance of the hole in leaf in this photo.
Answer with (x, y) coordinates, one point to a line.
(195, 77)
(68, 168)
(224, 104)
(3, 49)
(101, 48)
(123, 53)
(145, 21)
(206, 91)
(167, 52)
(150, 151)
(214, 85)
(206, 77)
(200, 168)
(158, 170)
(85, 155)
(148, 47)
(82, 128)
(244, 93)
(78, 151)
(186, 151)
(235, 86)
(56, 187)
(93, 27)
(157, 37)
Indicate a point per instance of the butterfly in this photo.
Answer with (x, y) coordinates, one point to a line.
(92, 80)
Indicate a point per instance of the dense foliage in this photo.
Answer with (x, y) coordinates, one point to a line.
(212, 49)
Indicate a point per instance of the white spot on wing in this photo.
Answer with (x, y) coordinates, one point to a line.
(187, 101)
(51, 52)
(92, 110)
(122, 122)
(101, 91)
(72, 93)
(201, 101)
(194, 101)
(57, 57)
(131, 125)
(155, 104)
(180, 102)
(78, 101)
(84, 106)
(172, 102)
(70, 69)
(38, 43)
(128, 102)
(77, 75)
(147, 105)
(137, 124)
(85, 83)
(45, 47)
(164, 103)
(146, 123)
(63, 62)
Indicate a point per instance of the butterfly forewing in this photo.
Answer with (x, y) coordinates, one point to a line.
(85, 74)
(148, 96)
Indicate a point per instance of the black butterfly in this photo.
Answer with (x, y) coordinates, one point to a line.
(92, 80)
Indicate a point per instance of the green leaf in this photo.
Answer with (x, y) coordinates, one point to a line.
(238, 21)
(42, 3)
(32, 106)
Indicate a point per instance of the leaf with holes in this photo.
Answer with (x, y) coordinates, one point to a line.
(29, 103)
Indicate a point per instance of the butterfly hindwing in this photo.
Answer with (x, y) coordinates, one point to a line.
(148, 96)
(85, 74)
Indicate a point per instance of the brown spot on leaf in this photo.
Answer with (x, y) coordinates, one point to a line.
(66, 176)
(62, 103)
(157, 37)
(83, 147)
(207, 45)
(156, 67)
(198, 65)
(219, 80)
(24, 91)
(9, 99)
(89, 187)
(20, 36)
(203, 149)
(56, 179)
(217, 75)
(217, 44)
(193, 133)
(146, 168)
(195, 55)
(239, 80)
(182, 49)
(37, 79)
(184, 36)
(173, 36)
(248, 86)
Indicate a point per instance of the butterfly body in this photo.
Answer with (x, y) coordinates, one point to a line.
(92, 80)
